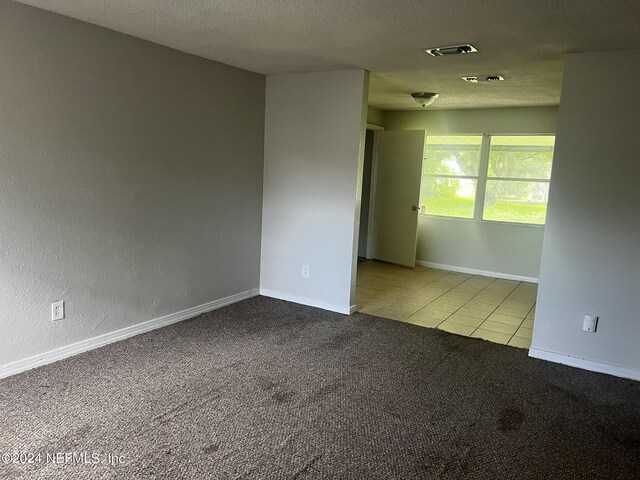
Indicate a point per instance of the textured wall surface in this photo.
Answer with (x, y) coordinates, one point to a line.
(494, 247)
(313, 163)
(130, 180)
(590, 259)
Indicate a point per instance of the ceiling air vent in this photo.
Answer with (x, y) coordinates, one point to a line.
(483, 78)
(452, 50)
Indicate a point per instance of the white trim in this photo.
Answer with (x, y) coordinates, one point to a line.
(352, 309)
(520, 179)
(485, 273)
(585, 364)
(481, 182)
(306, 301)
(441, 175)
(51, 356)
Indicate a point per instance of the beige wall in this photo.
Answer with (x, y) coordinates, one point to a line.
(130, 180)
(481, 120)
(375, 116)
(590, 260)
(495, 248)
(312, 186)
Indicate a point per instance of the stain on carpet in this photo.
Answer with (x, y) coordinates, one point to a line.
(213, 448)
(511, 419)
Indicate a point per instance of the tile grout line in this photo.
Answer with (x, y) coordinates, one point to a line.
(525, 317)
(482, 290)
(520, 326)
(444, 293)
(494, 310)
(439, 296)
(396, 286)
(422, 286)
(455, 311)
(462, 306)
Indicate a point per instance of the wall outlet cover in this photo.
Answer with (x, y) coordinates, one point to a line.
(57, 311)
(590, 323)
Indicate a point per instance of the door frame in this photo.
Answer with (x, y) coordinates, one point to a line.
(372, 190)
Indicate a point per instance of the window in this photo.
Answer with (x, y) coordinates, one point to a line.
(499, 178)
(450, 175)
(518, 179)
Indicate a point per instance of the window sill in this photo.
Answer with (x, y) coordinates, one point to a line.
(492, 222)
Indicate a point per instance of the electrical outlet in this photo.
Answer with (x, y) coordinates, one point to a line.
(590, 323)
(305, 271)
(57, 311)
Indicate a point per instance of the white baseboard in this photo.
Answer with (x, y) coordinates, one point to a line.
(473, 271)
(352, 309)
(100, 341)
(585, 364)
(306, 301)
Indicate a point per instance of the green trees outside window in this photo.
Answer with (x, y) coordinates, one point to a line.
(450, 175)
(507, 176)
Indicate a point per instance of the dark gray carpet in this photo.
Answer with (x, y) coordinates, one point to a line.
(269, 389)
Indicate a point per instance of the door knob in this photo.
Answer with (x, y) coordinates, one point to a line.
(414, 208)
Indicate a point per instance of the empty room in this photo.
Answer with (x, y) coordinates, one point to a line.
(322, 240)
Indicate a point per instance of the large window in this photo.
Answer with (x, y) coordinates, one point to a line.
(496, 178)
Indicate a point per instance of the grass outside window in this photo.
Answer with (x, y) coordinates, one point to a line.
(508, 175)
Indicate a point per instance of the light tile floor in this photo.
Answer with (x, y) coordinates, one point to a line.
(497, 310)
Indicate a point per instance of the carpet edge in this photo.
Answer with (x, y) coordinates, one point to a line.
(51, 356)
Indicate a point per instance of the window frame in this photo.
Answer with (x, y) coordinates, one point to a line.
(483, 178)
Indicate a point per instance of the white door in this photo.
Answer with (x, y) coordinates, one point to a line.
(398, 170)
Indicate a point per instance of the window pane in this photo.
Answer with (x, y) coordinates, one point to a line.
(452, 155)
(521, 156)
(516, 201)
(449, 197)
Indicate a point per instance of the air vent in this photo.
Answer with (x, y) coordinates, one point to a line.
(483, 78)
(452, 50)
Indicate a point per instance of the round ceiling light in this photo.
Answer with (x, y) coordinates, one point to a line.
(425, 98)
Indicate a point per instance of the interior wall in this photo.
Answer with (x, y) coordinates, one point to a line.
(375, 116)
(590, 260)
(312, 186)
(500, 248)
(130, 180)
(478, 120)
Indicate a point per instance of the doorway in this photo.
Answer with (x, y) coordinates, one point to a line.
(367, 170)
(469, 303)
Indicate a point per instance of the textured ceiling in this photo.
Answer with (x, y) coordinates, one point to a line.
(523, 40)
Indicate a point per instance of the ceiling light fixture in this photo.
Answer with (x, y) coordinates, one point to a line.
(452, 50)
(425, 98)
(483, 78)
